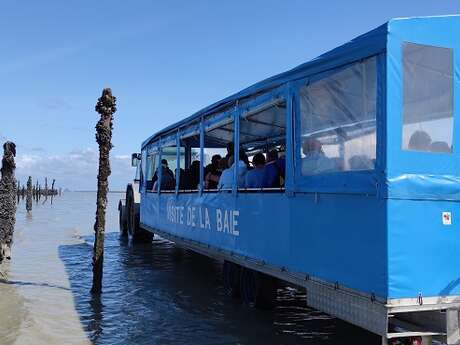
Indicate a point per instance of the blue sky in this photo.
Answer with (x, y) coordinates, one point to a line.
(163, 60)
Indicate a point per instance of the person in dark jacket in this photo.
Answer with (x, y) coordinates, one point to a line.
(168, 181)
(272, 172)
(212, 173)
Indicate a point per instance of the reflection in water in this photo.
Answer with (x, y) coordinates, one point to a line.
(160, 294)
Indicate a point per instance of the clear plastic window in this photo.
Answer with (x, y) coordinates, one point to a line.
(428, 94)
(151, 164)
(338, 120)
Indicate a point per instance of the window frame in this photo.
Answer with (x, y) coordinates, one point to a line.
(403, 98)
(281, 94)
(150, 151)
(351, 181)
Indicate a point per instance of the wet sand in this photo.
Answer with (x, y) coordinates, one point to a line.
(36, 303)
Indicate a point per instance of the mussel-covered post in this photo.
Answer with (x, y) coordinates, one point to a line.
(7, 200)
(29, 195)
(19, 190)
(106, 107)
(52, 191)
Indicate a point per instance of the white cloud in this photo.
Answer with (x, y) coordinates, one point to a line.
(76, 170)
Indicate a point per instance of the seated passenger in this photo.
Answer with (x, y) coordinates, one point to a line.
(440, 146)
(272, 172)
(281, 164)
(182, 179)
(254, 178)
(420, 141)
(315, 161)
(230, 150)
(223, 164)
(168, 182)
(164, 164)
(212, 173)
(195, 175)
(226, 179)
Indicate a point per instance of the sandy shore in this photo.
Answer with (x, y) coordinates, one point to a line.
(36, 303)
(11, 310)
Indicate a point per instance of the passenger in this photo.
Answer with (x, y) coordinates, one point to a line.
(212, 173)
(226, 179)
(272, 172)
(164, 164)
(420, 141)
(168, 182)
(230, 150)
(315, 161)
(195, 175)
(244, 157)
(281, 164)
(440, 146)
(182, 179)
(255, 177)
(223, 164)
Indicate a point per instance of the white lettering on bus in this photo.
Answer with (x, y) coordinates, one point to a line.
(235, 215)
(207, 223)
(198, 217)
(226, 226)
(219, 219)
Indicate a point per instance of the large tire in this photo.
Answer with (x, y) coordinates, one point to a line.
(122, 219)
(231, 278)
(257, 289)
(133, 220)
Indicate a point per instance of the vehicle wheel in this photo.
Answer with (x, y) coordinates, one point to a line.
(231, 279)
(137, 234)
(122, 220)
(257, 289)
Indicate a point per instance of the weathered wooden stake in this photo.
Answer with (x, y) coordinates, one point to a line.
(19, 190)
(106, 107)
(29, 195)
(36, 192)
(7, 200)
(45, 192)
(52, 190)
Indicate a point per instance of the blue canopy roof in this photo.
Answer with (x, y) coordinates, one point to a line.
(367, 44)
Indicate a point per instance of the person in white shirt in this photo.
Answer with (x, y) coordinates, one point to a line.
(226, 179)
(315, 161)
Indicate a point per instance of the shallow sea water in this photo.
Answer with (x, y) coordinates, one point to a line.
(152, 293)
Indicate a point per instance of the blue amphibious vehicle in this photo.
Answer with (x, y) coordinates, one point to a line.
(365, 211)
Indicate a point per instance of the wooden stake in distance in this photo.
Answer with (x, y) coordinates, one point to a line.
(29, 195)
(106, 107)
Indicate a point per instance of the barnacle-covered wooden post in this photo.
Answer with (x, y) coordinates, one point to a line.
(36, 191)
(7, 200)
(29, 195)
(45, 193)
(52, 191)
(19, 190)
(106, 107)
